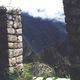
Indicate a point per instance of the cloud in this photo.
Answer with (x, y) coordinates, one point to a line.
(48, 8)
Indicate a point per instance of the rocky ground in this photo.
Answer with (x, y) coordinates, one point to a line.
(49, 78)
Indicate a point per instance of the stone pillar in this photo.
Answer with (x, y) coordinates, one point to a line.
(72, 19)
(15, 46)
(11, 46)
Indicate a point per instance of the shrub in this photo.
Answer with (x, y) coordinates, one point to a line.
(23, 74)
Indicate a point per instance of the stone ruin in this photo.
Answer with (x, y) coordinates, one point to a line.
(11, 46)
(72, 19)
(15, 45)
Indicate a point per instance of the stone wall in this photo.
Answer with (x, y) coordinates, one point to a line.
(13, 27)
(72, 13)
(15, 46)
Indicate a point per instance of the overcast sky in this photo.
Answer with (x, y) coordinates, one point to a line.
(43, 8)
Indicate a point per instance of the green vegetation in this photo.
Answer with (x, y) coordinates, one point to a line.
(26, 74)
(41, 70)
(23, 74)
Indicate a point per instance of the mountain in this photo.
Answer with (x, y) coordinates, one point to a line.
(42, 33)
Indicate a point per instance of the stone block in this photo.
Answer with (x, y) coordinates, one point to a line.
(17, 24)
(19, 66)
(62, 79)
(20, 38)
(15, 52)
(20, 45)
(19, 59)
(11, 53)
(11, 69)
(12, 38)
(9, 23)
(37, 78)
(9, 17)
(13, 45)
(11, 30)
(17, 17)
(12, 61)
(19, 31)
(51, 78)
(18, 52)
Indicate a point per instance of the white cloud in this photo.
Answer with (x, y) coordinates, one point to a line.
(49, 8)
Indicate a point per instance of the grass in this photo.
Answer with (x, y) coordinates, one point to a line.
(23, 74)
(26, 74)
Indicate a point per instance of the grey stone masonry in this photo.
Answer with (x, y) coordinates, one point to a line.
(72, 13)
(72, 19)
(15, 45)
(11, 46)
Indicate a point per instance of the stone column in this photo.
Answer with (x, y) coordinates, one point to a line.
(11, 47)
(72, 19)
(15, 46)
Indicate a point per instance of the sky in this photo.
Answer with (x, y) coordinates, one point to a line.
(51, 9)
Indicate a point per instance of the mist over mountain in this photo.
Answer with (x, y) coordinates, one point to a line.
(42, 33)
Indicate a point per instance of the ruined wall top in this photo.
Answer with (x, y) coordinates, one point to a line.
(4, 10)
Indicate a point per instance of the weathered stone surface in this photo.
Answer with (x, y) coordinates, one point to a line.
(20, 45)
(19, 25)
(38, 78)
(12, 38)
(15, 25)
(63, 79)
(11, 30)
(18, 52)
(41, 69)
(15, 40)
(14, 11)
(12, 45)
(15, 52)
(72, 13)
(11, 69)
(17, 18)
(19, 59)
(9, 23)
(11, 53)
(51, 78)
(18, 31)
(19, 66)
(12, 61)
(9, 17)
(15, 45)
(20, 38)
